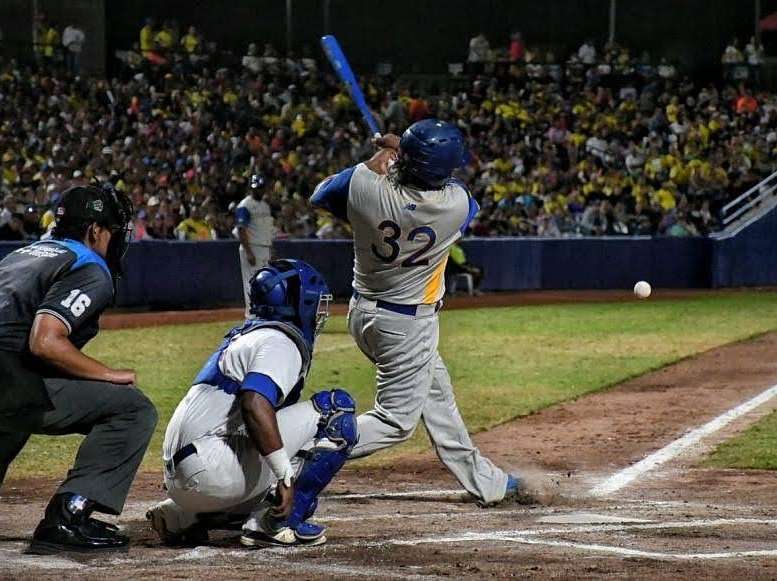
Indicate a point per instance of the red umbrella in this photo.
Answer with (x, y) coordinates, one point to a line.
(768, 23)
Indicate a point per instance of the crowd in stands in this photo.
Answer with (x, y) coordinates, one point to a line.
(600, 145)
(739, 65)
(53, 47)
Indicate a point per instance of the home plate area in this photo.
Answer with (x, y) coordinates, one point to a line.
(422, 533)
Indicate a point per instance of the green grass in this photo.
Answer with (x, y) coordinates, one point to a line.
(504, 362)
(756, 447)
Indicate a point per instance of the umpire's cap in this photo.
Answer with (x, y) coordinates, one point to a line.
(80, 205)
(102, 204)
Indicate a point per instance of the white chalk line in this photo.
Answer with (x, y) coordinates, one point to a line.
(535, 537)
(479, 515)
(593, 528)
(627, 475)
(278, 556)
(624, 552)
(407, 494)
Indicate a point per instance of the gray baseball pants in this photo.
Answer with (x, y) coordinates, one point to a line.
(118, 421)
(413, 384)
(227, 474)
(262, 255)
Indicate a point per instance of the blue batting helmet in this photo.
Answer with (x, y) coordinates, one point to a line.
(429, 152)
(291, 291)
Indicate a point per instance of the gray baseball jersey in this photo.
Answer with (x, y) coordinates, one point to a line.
(254, 216)
(402, 236)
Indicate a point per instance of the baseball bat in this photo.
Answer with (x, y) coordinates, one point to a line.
(343, 70)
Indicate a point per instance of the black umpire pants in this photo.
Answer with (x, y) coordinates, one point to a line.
(118, 421)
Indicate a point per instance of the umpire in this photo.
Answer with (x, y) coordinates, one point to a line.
(51, 296)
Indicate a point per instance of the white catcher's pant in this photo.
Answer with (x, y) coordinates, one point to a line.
(262, 254)
(412, 384)
(228, 474)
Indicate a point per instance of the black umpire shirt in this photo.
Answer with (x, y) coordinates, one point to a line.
(62, 278)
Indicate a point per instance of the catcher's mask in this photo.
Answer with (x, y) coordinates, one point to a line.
(292, 291)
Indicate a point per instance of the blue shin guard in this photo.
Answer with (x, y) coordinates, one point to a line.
(336, 436)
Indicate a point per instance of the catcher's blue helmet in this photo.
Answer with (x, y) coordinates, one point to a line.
(429, 152)
(291, 291)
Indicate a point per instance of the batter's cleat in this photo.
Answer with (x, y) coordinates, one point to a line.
(174, 527)
(515, 492)
(275, 534)
(513, 484)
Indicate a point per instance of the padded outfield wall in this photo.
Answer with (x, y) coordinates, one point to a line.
(749, 257)
(164, 274)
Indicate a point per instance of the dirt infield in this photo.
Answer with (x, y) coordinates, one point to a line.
(409, 520)
(119, 319)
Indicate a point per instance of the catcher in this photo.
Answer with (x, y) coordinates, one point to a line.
(239, 448)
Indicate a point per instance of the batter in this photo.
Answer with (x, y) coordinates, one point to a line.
(406, 211)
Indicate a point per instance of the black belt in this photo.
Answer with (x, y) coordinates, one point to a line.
(180, 456)
(409, 310)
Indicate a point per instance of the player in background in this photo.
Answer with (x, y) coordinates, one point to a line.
(51, 296)
(240, 432)
(406, 211)
(255, 230)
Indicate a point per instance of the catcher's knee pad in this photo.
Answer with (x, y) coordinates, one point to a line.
(337, 423)
(337, 434)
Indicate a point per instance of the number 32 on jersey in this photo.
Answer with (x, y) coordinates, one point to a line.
(392, 234)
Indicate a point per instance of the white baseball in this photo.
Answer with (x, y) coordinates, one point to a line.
(642, 289)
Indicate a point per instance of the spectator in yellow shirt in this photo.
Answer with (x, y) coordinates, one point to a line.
(194, 227)
(665, 197)
(457, 264)
(147, 38)
(191, 41)
(672, 109)
(50, 40)
(163, 39)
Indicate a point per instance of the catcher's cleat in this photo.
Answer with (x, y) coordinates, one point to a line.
(310, 533)
(276, 534)
(174, 527)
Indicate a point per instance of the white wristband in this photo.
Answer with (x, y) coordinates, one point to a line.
(280, 465)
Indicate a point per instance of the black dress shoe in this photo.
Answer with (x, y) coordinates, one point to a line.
(63, 530)
(101, 529)
(60, 537)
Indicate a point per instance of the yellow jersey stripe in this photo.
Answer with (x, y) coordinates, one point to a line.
(434, 286)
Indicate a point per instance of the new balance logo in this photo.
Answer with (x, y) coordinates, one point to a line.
(410, 207)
